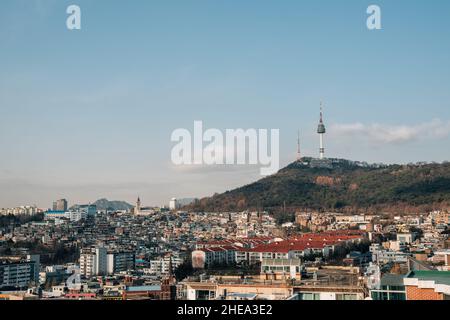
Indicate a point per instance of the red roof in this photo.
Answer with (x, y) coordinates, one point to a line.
(286, 246)
(252, 241)
(298, 243)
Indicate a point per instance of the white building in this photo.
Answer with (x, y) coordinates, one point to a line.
(74, 216)
(387, 256)
(23, 210)
(330, 295)
(281, 268)
(93, 261)
(173, 204)
(405, 238)
(161, 266)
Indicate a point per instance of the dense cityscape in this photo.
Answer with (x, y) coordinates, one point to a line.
(123, 252)
(168, 253)
(205, 159)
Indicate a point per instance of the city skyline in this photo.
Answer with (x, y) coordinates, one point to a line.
(88, 114)
(224, 158)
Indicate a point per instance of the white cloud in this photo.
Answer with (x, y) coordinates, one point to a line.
(393, 134)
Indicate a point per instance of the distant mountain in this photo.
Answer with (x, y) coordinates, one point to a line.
(341, 185)
(105, 204)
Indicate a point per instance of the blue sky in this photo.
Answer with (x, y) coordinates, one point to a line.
(88, 114)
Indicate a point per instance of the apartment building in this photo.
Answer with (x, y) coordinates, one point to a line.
(391, 287)
(281, 269)
(19, 273)
(93, 261)
(120, 261)
(162, 265)
(295, 248)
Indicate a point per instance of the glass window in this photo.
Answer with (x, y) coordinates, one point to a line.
(309, 296)
(375, 295)
(397, 288)
(346, 296)
(203, 295)
(397, 296)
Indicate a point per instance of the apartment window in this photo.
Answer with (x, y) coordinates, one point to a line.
(203, 295)
(309, 296)
(379, 295)
(397, 296)
(346, 296)
(396, 288)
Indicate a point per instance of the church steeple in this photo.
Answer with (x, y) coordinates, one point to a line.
(137, 209)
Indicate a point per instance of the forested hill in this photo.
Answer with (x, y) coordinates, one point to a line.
(341, 185)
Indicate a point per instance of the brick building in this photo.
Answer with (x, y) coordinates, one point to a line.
(427, 285)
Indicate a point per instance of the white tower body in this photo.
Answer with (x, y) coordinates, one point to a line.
(322, 149)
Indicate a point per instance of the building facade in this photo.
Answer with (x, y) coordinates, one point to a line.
(60, 205)
(93, 261)
(20, 273)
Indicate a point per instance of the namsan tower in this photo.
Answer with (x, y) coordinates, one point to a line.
(321, 131)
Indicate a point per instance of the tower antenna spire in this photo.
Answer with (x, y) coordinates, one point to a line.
(299, 154)
(321, 112)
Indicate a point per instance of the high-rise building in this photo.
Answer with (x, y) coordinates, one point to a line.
(120, 261)
(60, 205)
(87, 263)
(165, 265)
(19, 273)
(101, 261)
(93, 261)
(173, 204)
(88, 210)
